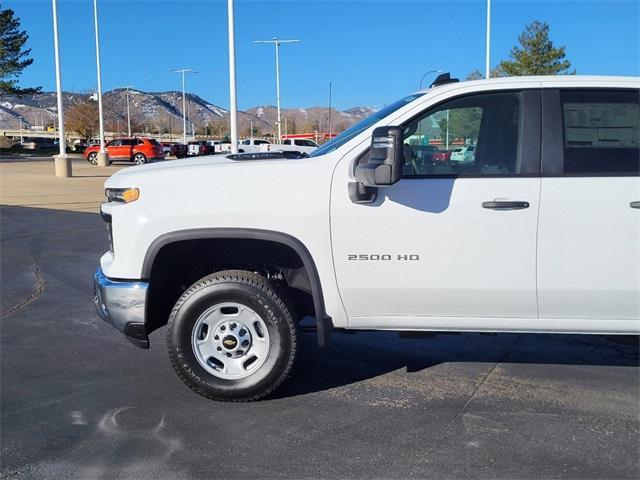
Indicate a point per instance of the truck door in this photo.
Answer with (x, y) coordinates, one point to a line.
(589, 238)
(454, 241)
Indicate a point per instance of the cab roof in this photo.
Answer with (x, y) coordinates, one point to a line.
(546, 81)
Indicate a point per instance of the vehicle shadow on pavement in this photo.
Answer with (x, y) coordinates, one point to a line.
(355, 358)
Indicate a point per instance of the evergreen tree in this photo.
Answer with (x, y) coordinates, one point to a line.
(536, 54)
(13, 56)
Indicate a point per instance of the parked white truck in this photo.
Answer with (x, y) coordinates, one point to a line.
(539, 232)
(258, 145)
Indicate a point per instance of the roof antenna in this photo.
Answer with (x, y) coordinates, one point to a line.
(443, 79)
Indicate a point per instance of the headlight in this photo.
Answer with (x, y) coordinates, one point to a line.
(124, 195)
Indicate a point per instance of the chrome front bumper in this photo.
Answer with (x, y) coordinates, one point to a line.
(123, 305)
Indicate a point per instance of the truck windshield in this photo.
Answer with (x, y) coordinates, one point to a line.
(362, 125)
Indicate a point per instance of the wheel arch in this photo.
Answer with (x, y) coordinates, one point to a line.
(324, 323)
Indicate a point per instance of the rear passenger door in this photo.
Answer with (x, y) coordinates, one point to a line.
(589, 226)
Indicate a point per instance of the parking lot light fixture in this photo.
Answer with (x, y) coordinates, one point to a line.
(277, 42)
(102, 154)
(62, 163)
(184, 101)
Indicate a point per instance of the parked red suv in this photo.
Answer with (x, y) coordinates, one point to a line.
(136, 150)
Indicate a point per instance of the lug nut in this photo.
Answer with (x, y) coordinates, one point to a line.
(228, 355)
(233, 326)
(219, 348)
(245, 344)
(223, 328)
(242, 332)
(216, 337)
(239, 352)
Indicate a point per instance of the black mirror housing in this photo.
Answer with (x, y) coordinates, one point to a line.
(386, 158)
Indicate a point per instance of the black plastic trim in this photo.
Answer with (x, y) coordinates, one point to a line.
(361, 193)
(530, 132)
(323, 321)
(137, 334)
(552, 148)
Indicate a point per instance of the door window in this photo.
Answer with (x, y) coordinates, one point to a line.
(474, 135)
(601, 132)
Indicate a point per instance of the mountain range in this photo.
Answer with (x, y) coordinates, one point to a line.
(161, 112)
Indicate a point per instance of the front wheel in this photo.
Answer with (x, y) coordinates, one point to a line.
(139, 159)
(92, 158)
(232, 337)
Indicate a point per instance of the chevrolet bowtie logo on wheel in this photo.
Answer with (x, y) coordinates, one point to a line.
(230, 342)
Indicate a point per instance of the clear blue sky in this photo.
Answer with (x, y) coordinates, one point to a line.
(372, 51)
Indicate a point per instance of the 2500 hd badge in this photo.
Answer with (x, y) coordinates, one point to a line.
(375, 257)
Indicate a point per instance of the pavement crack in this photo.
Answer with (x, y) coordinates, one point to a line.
(484, 379)
(39, 290)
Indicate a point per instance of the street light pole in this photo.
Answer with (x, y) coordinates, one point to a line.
(128, 115)
(184, 101)
(233, 103)
(428, 73)
(487, 67)
(128, 112)
(277, 43)
(103, 159)
(62, 163)
(330, 111)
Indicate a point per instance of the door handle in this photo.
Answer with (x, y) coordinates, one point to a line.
(634, 204)
(505, 205)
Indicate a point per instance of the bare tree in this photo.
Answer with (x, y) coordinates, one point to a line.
(82, 119)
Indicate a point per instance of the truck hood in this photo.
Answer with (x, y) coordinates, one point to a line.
(185, 168)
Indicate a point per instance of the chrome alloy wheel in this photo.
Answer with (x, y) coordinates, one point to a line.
(139, 159)
(230, 341)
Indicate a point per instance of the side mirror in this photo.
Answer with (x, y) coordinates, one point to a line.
(383, 168)
(386, 159)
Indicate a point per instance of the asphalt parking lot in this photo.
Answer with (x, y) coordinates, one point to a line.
(79, 401)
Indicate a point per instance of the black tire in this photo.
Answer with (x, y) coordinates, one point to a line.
(139, 158)
(92, 158)
(260, 295)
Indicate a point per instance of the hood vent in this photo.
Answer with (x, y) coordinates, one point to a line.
(267, 156)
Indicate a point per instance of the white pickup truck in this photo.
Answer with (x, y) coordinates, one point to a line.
(539, 232)
(257, 145)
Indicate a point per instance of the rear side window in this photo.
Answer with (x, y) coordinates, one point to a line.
(601, 132)
(153, 142)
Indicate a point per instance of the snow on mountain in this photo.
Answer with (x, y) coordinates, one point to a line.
(162, 112)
